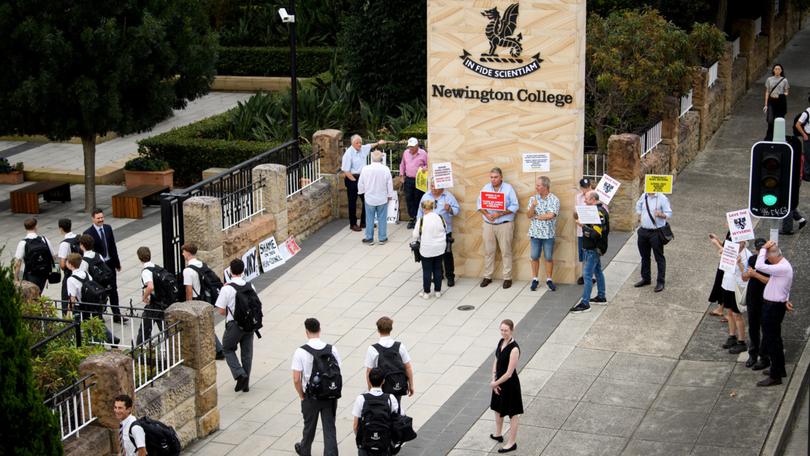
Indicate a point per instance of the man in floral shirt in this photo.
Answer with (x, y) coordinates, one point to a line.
(542, 212)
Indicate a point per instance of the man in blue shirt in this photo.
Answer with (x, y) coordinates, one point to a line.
(498, 228)
(354, 159)
(654, 211)
(446, 206)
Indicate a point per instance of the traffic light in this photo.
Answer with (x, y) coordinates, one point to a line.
(771, 180)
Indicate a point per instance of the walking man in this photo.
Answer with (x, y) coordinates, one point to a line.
(234, 335)
(136, 445)
(498, 229)
(654, 211)
(311, 406)
(542, 213)
(36, 253)
(153, 305)
(376, 185)
(354, 159)
(594, 245)
(104, 245)
(414, 159)
(446, 206)
(396, 362)
(776, 300)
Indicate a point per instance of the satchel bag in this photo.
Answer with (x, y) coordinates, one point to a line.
(55, 276)
(665, 232)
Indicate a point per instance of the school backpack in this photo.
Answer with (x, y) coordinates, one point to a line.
(73, 245)
(390, 362)
(38, 258)
(375, 427)
(210, 284)
(92, 291)
(247, 309)
(165, 284)
(161, 439)
(325, 380)
(796, 131)
(99, 270)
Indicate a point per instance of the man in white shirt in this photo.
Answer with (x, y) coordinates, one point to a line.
(376, 382)
(376, 185)
(311, 407)
(193, 286)
(69, 244)
(384, 327)
(127, 432)
(28, 252)
(153, 311)
(353, 161)
(226, 305)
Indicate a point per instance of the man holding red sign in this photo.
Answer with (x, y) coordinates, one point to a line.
(497, 204)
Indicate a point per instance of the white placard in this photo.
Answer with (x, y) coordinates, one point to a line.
(728, 260)
(270, 254)
(443, 175)
(289, 248)
(536, 162)
(774, 235)
(588, 215)
(607, 188)
(740, 225)
(251, 260)
(393, 211)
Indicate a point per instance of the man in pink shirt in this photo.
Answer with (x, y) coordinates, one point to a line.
(413, 159)
(775, 302)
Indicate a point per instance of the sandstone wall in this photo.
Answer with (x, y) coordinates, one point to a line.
(170, 399)
(689, 139)
(739, 83)
(310, 209)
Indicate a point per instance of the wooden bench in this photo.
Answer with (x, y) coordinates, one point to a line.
(129, 203)
(26, 199)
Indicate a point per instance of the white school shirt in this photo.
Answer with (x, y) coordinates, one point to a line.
(20, 253)
(190, 277)
(137, 433)
(302, 360)
(146, 274)
(357, 408)
(372, 355)
(85, 265)
(64, 247)
(74, 286)
(227, 297)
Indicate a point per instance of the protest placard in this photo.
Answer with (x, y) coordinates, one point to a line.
(658, 183)
(393, 211)
(494, 201)
(421, 180)
(269, 254)
(728, 260)
(251, 260)
(607, 188)
(588, 215)
(740, 225)
(536, 162)
(443, 175)
(289, 248)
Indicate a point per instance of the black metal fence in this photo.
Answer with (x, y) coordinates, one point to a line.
(52, 329)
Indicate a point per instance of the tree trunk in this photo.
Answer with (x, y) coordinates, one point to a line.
(89, 146)
(722, 14)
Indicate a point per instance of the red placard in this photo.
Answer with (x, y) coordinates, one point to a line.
(493, 201)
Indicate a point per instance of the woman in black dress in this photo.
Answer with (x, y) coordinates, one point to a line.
(506, 399)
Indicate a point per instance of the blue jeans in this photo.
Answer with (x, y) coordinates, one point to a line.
(381, 213)
(593, 267)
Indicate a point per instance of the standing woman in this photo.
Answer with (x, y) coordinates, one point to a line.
(430, 231)
(506, 399)
(776, 92)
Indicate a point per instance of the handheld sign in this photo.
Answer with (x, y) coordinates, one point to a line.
(607, 188)
(728, 260)
(493, 201)
(421, 180)
(393, 211)
(658, 183)
(443, 175)
(536, 162)
(740, 225)
(588, 215)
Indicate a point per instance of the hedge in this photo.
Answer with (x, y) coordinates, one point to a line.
(273, 61)
(417, 130)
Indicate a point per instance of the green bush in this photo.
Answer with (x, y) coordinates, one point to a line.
(273, 61)
(146, 164)
(6, 167)
(417, 130)
(707, 44)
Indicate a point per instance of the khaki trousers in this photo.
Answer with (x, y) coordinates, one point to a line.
(498, 236)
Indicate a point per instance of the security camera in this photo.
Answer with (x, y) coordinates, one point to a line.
(286, 17)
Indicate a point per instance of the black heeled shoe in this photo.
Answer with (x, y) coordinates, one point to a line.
(497, 438)
(508, 450)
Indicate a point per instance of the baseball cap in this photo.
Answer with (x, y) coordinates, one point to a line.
(413, 142)
(584, 182)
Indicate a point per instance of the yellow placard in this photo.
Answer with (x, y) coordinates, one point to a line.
(658, 183)
(421, 180)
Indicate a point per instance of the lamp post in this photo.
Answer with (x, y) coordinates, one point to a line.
(288, 16)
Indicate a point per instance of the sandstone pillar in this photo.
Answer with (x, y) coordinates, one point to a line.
(199, 355)
(624, 165)
(274, 195)
(671, 129)
(202, 225)
(328, 144)
(113, 376)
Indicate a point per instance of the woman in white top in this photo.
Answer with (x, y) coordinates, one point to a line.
(777, 89)
(736, 323)
(431, 233)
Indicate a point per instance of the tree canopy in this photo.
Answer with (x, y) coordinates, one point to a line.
(82, 68)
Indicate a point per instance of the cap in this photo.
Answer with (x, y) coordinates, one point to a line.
(413, 142)
(584, 182)
(758, 243)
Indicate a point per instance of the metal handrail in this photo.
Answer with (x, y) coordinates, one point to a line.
(71, 326)
(75, 408)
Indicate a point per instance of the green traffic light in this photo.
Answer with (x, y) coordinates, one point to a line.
(769, 200)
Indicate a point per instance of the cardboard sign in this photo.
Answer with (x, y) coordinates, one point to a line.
(728, 260)
(607, 188)
(443, 175)
(774, 235)
(536, 162)
(740, 225)
(421, 180)
(289, 248)
(393, 211)
(658, 183)
(493, 201)
(588, 215)
(270, 254)
(251, 260)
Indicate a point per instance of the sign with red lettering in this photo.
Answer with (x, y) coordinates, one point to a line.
(493, 201)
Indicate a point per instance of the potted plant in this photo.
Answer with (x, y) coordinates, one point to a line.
(145, 170)
(10, 174)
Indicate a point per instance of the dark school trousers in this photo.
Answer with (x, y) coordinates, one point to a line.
(351, 193)
(327, 409)
(235, 336)
(649, 240)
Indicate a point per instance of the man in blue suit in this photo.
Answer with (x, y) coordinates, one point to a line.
(105, 247)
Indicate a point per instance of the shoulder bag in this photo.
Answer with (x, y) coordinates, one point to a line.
(665, 232)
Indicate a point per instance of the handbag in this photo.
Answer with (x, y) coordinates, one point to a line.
(665, 232)
(55, 276)
(417, 257)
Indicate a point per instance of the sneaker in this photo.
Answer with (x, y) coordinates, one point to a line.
(551, 285)
(382, 241)
(738, 348)
(534, 285)
(730, 342)
(599, 299)
(438, 294)
(802, 222)
(581, 307)
(424, 295)
(368, 241)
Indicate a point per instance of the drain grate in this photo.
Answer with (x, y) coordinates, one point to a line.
(466, 307)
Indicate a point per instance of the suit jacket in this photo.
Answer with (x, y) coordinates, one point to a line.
(99, 248)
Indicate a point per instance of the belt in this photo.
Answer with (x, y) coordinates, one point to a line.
(499, 223)
(773, 302)
(648, 229)
(410, 178)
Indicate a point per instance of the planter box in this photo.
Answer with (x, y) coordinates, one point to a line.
(137, 178)
(12, 178)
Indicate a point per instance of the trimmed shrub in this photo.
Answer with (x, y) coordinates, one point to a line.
(273, 61)
(707, 44)
(417, 130)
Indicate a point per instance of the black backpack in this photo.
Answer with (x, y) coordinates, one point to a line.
(389, 361)
(247, 309)
(92, 291)
(99, 270)
(325, 380)
(161, 439)
(375, 427)
(73, 245)
(796, 131)
(38, 258)
(165, 285)
(210, 284)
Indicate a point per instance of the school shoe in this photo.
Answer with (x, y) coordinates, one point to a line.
(368, 241)
(551, 285)
(534, 285)
(497, 438)
(411, 224)
(770, 382)
(730, 342)
(241, 383)
(599, 300)
(641, 283)
(738, 348)
(659, 288)
(451, 281)
(581, 307)
(355, 228)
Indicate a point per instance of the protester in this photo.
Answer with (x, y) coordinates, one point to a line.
(716, 295)
(234, 335)
(377, 187)
(506, 397)
(362, 412)
(446, 205)
(776, 300)
(104, 245)
(542, 212)
(414, 159)
(736, 323)
(594, 244)
(654, 211)
(757, 357)
(36, 253)
(354, 159)
(131, 436)
(393, 357)
(579, 200)
(777, 89)
(498, 230)
(432, 236)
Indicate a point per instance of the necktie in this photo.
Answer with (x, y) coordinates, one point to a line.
(104, 241)
(121, 438)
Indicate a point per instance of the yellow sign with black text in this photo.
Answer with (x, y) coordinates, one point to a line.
(658, 183)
